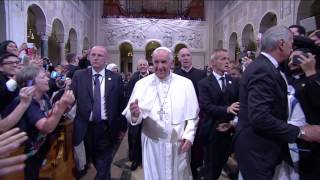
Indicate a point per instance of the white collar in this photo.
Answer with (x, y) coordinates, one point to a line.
(102, 72)
(271, 59)
(186, 70)
(217, 76)
(165, 80)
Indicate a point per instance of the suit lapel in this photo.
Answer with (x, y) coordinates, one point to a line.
(108, 82)
(276, 72)
(215, 83)
(89, 81)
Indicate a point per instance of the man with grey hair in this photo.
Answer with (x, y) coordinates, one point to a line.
(262, 132)
(167, 105)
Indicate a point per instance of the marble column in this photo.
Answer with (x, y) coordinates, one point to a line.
(44, 46)
(62, 53)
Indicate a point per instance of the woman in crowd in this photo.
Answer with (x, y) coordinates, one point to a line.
(40, 118)
(113, 67)
(11, 47)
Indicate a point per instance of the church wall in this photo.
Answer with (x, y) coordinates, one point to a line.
(236, 14)
(73, 14)
(113, 31)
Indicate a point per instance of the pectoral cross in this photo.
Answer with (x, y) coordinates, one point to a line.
(161, 113)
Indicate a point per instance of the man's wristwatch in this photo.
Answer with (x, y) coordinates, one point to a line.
(302, 132)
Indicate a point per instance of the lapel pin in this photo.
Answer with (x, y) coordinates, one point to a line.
(109, 78)
(229, 82)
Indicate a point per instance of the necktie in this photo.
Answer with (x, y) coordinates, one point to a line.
(223, 84)
(96, 110)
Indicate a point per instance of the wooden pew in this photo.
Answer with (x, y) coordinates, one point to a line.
(59, 162)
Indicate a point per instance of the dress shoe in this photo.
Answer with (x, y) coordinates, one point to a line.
(80, 174)
(134, 166)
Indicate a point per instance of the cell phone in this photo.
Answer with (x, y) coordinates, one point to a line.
(29, 83)
(295, 60)
(54, 74)
(63, 78)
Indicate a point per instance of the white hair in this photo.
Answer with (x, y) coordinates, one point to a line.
(273, 35)
(156, 51)
(111, 66)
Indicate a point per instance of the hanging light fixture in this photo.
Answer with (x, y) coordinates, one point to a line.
(30, 34)
(130, 54)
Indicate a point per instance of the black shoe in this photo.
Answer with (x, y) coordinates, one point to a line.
(80, 174)
(134, 166)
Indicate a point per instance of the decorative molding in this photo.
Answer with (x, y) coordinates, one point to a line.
(140, 31)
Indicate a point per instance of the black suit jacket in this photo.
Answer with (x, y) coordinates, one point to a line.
(83, 91)
(6, 96)
(262, 132)
(195, 75)
(214, 102)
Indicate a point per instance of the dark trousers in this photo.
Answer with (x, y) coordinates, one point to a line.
(134, 141)
(197, 150)
(216, 153)
(309, 163)
(34, 163)
(99, 145)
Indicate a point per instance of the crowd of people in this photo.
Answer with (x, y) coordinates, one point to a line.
(183, 123)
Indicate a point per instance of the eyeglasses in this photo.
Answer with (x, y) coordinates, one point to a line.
(10, 62)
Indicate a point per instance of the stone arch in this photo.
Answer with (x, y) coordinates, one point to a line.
(247, 38)
(267, 21)
(308, 14)
(56, 42)
(72, 43)
(126, 56)
(233, 46)
(3, 29)
(86, 44)
(150, 47)
(36, 26)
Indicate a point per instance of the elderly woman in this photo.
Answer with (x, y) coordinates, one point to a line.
(113, 67)
(40, 118)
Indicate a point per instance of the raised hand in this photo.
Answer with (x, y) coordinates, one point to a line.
(26, 94)
(134, 109)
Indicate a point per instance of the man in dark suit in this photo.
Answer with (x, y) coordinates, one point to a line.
(218, 99)
(134, 132)
(99, 96)
(187, 70)
(262, 133)
(195, 75)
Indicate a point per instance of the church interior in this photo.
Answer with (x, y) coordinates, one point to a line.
(131, 30)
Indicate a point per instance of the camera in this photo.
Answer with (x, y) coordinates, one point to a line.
(296, 59)
(29, 83)
(55, 75)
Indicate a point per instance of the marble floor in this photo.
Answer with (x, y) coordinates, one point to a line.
(120, 168)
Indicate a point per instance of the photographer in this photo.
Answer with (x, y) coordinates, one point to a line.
(303, 76)
(57, 80)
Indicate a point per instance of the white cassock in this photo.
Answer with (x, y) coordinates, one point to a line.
(163, 127)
